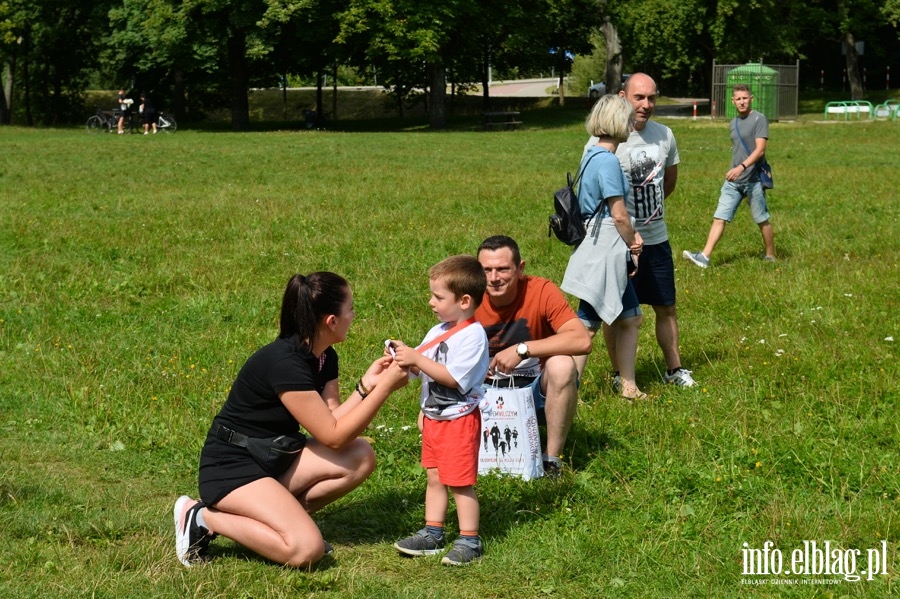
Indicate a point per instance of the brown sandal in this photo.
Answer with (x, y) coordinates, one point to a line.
(637, 395)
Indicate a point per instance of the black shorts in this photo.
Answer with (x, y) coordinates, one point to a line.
(654, 282)
(225, 467)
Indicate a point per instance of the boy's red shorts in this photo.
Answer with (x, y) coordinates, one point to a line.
(451, 446)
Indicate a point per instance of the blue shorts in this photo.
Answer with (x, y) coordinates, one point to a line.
(654, 282)
(730, 199)
(630, 308)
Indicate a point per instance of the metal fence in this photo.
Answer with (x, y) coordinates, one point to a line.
(774, 87)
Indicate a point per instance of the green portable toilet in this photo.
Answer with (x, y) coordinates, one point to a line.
(763, 82)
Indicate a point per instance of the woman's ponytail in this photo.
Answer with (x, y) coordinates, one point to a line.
(309, 299)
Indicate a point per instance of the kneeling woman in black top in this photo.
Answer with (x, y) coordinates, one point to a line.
(260, 477)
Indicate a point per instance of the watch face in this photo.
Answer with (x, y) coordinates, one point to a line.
(522, 350)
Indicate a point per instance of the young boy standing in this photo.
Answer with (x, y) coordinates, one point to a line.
(452, 363)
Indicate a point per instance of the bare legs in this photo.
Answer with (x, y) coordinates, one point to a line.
(559, 383)
(715, 234)
(718, 228)
(667, 335)
(272, 517)
(437, 501)
(768, 238)
(621, 344)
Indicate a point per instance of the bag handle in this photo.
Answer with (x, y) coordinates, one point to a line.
(445, 335)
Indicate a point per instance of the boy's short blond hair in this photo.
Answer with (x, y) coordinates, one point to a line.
(741, 87)
(612, 116)
(463, 275)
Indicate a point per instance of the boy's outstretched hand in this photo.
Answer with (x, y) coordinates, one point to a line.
(404, 355)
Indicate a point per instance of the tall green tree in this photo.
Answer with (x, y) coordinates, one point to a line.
(48, 48)
(676, 41)
(891, 10)
(402, 37)
(151, 44)
(304, 34)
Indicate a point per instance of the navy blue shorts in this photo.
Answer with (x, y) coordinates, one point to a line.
(654, 282)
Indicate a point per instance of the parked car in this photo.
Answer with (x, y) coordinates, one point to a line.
(599, 89)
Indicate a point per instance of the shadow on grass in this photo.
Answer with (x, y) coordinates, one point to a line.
(552, 117)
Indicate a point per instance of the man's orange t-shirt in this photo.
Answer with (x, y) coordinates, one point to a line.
(539, 310)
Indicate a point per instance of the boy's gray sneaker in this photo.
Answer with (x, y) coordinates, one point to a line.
(697, 258)
(463, 553)
(680, 378)
(421, 543)
(617, 383)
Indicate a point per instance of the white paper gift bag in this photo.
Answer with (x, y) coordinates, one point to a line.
(510, 440)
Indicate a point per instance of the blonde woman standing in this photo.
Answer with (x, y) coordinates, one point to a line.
(600, 268)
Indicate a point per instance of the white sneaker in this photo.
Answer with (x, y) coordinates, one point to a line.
(697, 258)
(680, 378)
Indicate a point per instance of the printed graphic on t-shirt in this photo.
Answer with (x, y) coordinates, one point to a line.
(646, 183)
(507, 334)
(504, 334)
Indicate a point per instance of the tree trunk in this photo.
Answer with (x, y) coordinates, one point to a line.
(486, 82)
(334, 92)
(26, 76)
(561, 69)
(179, 107)
(853, 76)
(7, 78)
(320, 98)
(437, 109)
(240, 81)
(613, 56)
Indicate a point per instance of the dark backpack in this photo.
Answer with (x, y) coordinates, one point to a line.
(567, 222)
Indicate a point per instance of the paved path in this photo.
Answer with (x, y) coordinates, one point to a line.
(525, 88)
(538, 88)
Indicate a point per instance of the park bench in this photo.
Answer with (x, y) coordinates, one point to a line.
(889, 110)
(848, 108)
(507, 120)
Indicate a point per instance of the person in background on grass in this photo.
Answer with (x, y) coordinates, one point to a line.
(452, 362)
(533, 334)
(749, 137)
(650, 160)
(148, 114)
(124, 109)
(289, 383)
(597, 273)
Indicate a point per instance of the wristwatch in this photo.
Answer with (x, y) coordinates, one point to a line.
(522, 351)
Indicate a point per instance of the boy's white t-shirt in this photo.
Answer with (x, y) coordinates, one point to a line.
(465, 354)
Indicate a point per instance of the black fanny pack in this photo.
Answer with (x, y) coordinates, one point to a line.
(440, 396)
(274, 454)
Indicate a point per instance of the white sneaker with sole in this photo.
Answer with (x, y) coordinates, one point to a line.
(680, 378)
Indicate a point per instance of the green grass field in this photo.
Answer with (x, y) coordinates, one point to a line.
(137, 273)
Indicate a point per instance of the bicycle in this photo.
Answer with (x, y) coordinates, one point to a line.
(107, 121)
(165, 122)
(104, 120)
